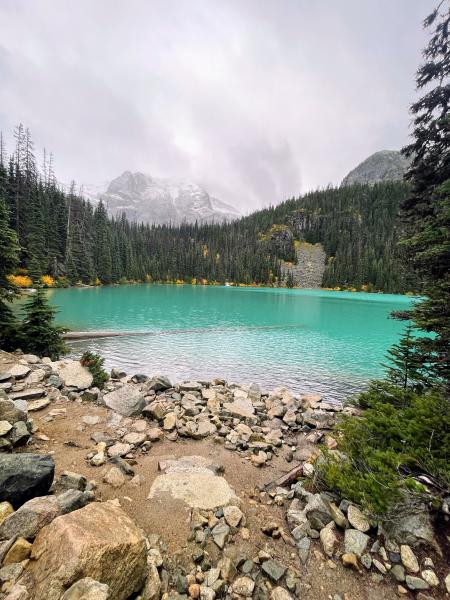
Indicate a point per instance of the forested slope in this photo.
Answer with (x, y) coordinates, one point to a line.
(64, 236)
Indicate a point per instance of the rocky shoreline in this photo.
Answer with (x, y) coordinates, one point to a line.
(147, 489)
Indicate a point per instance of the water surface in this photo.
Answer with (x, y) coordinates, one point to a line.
(331, 343)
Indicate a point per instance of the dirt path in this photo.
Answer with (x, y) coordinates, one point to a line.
(70, 442)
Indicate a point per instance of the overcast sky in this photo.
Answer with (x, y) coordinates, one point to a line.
(255, 99)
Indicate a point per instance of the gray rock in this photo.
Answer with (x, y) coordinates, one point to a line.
(415, 583)
(398, 573)
(19, 434)
(30, 518)
(355, 542)
(73, 374)
(87, 589)
(243, 586)
(280, 593)
(73, 500)
(72, 481)
(10, 412)
(24, 476)
(28, 394)
(127, 400)
(158, 383)
(220, 534)
(55, 381)
(5, 427)
(413, 527)
(273, 569)
(303, 547)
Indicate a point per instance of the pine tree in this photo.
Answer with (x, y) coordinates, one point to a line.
(406, 364)
(426, 211)
(38, 334)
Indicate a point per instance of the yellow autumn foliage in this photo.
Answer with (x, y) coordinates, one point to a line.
(47, 280)
(21, 281)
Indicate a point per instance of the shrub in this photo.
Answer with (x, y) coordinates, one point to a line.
(20, 281)
(38, 334)
(400, 436)
(94, 362)
(47, 280)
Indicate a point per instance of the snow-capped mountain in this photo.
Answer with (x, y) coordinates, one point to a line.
(163, 201)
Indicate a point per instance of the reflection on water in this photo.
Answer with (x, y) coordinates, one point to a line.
(326, 342)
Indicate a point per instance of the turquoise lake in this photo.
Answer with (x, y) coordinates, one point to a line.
(329, 343)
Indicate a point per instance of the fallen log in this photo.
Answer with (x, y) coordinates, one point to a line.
(287, 478)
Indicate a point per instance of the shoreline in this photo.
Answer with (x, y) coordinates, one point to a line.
(215, 480)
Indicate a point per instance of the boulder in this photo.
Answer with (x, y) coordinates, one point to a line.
(357, 519)
(127, 400)
(414, 528)
(158, 383)
(355, 542)
(24, 476)
(30, 518)
(73, 374)
(87, 589)
(98, 541)
(10, 412)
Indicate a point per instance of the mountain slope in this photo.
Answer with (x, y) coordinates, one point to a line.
(385, 165)
(163, 201)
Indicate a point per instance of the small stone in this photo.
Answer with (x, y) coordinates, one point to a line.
(415, 583)
(409, 559)
(38, 404)
(91, 419)
(328, 539)
(350, 561)
(357, 519)
(119, 449)
(220, 534)
(5, 427)
(154, 434)
(398, 573)
(356, 542)
(114, 477)
(6, 509)
(243, 586)
(430, 577)
(194, 590)
(447, 583)
(233, 515)
(87, 589)
(18, 552)
(280, 593)
(72, 481)
(338, 516)
(379, 565)
(170, 421)
(303, 548)
(366, 560)
(274, 570)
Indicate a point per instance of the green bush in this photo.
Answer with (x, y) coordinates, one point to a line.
(94, 362)
(399, 436)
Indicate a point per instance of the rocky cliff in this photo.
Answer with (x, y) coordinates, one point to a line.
(386, 165)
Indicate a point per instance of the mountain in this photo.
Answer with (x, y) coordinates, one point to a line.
(385, 165)
(163, 201)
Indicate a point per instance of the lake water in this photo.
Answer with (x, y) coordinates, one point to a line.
(329, 343)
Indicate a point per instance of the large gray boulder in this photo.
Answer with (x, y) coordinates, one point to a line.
(73, 374)
(24, 476)
(127, 400)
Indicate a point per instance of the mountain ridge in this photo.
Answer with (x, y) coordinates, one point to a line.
(161, 201)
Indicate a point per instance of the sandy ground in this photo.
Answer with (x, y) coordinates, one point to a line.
(70, 443)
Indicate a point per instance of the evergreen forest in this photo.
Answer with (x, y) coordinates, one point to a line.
(65, 237)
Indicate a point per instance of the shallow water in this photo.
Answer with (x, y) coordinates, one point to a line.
(331, 343)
